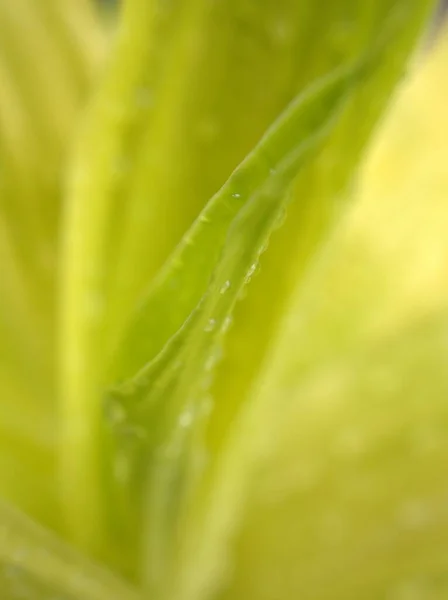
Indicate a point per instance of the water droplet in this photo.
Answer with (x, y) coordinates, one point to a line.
(170, 451)
(210, 362)
(214, 357)
(210, 325)
(114, 411)
(250, 272)
(226, 324)
(236, 195)
(186, 418)
(280, 219)
(264, 247)
(224, 287)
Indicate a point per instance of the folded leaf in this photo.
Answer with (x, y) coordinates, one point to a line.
(139, 177)
(346, 500)
(170, 392)
(290, 143)
(322, 196)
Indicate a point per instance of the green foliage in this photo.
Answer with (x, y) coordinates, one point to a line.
(34, 565)
(150, 373)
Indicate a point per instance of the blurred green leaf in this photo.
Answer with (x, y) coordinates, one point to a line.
(127, 157)
(157, 409)
(34, 565)
(170, 393)
(347, 428)
(349, 501)
(49, 51)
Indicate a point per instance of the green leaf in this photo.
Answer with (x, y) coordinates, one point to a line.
(163, 126)
(35, 565)
(36, 125)
(285, 149)
(165, 403)
(322, 196)
(139, 178)
(49, 51)
(348, 496)
(244, 220)
(172, 444)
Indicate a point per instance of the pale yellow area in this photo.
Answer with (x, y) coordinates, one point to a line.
(388, 262)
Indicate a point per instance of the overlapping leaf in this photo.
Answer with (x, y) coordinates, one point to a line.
(352, 417)
(177, 379)
(35, 565)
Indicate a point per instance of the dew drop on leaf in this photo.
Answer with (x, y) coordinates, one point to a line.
(210, 325)
(226, 324)
(114, 411)
(210, 363)
(224, 287)
(186, 418)
(280, 219)
(250, 272)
